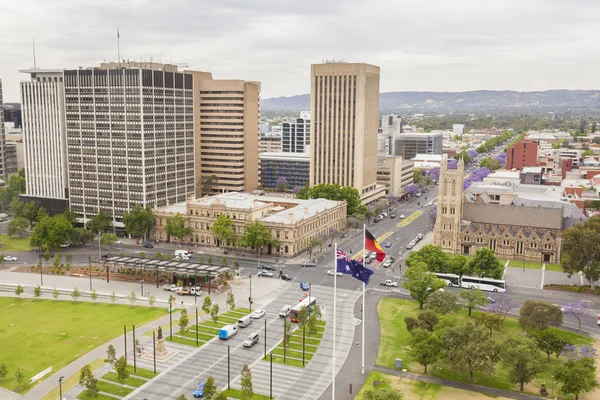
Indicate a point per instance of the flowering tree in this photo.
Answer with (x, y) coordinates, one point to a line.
(577, 353)
(501, 158)
(502, 306)
(577, 310)
(410, 189)
(473, 153)
(476, 176)
(296, 189)
(452, 164)
(282, 184)
(434, 173)
(391, 199)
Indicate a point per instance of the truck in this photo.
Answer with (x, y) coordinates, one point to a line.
(183, 254)
(389, 282)
(226, 332)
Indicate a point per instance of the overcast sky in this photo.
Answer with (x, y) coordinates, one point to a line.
(436, 45)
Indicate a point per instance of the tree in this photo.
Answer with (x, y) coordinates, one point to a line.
(382, 394)
(108, 239)
(19, 290)
(37, 292)
(121, 369)
(502, 306)
(577, 376)
(490, 321)
(313, 242)
(132, 298)
(281, 184)
(335, 192)
(459, 265)
(549, 342)
(214, 313)
(92, 387)
(421, 283)
(16, 208)
(425, 320)
(3, 371)
(256, 236)
(594, 130)
(111, 355)
(75, 294)
(577, 310)
(206, 305)
(220, 396)
(464, 155)
(100, 222)
(210, 389)
(181, 397)
(476, 353)
(139, 221)
(287, 326)
(230, 300)
(113, 298)
(183, 321)
(473, 298)
(152, 300)
(94, 295)
(485, 263)
(222, 228)
(17, 226)
(581, 250)
(425, 347)
(85, 374)
(176, 228)
(432, 256)
(55, 293)
(539, 315)
(30, 212)
(19, 377)
(490, 163)
(57, 260)
(51, 232)
(246, 383)
(522, 358)
(207, 183)
(81, 236)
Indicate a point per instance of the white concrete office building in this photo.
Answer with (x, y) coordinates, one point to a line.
(2, 137)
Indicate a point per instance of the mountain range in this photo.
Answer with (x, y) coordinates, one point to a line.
(474, 101)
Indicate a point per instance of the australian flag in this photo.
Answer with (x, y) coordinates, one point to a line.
(347, 265)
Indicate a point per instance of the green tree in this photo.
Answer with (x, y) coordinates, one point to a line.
(230, 300)
(421, 282)
(335, 192)
(459, 265)
(16, 208)
(220, 396)
(425, 347)
(382, 394)
(256, 236)
(19, 290)
(485, 264)
(473, 299)
(70, 216)
(539, 315)
(246, 383)
(132, 298)
(183, 321)
(81, 236)
(490, 321)
(111, 355)
(442, 302)
(588, 153)
(425, 320)
(210, 389)
(30, 212)
(577, 376)
(55, 293)
(57, 260)
(176, 228)
(464, 155)
(207, 183)
(550, 342)
(94, 295)
(151, 300)
(432, 256)
(37, 292)
(581, 250)
(108, 239)
(314, 317)
(17, 226)
(313, 242)
(113, 298)
(19, 377)
(214, 312)
(222, 228)
(181, 397)
(490, 163)
(51, 232)
(121, 369)
(206, 305)
(92, 388)
(100, 222)
(75, 294)
(522, 358)
(594, 131)
(476, 353)
(139, 221)
(3, 371)
(15, 186)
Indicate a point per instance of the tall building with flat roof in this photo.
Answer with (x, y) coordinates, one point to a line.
(130, 137)
(344, 124)
(227, 139)
(295, 135)
(408, 145)
(522, 154)
(45, 138)
(2, 143)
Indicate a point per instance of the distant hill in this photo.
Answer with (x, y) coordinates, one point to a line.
(475, 101)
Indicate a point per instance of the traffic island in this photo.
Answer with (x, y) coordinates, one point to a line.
(293, 349)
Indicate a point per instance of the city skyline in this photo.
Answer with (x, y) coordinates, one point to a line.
(459, 46)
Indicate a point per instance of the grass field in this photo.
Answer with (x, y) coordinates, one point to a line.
(37, 334)
(238, 394)
(293, 350)
(406, 221)
(395, 344)
(71, 381)
(13, 243)
(535, 265)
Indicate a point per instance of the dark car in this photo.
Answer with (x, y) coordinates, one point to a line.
(392, 259)
(148, 245)
(392, 215)
(50, 253)
(304, 285)
(309, 264)
(286, 277)
(268, 267)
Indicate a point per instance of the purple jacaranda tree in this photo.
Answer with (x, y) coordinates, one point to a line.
(472, 153)
(577, 310)
(410, 189)
(434, 173)
(296, 189)
(577, 353)
(282, 184)
(392, 200)
(452, 164)
(476, 176)
(501, 157)
(503, 305)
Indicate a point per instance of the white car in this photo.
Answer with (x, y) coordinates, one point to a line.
(118, 242)
(10, 258)
(402, 216)
(332, 272)
(258, 313)
(65, 244)
(265, 273)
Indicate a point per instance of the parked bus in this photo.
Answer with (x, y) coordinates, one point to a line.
(487, 284)
(451, 280)
(307, 302)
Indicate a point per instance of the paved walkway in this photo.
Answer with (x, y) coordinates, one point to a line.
(455, 384)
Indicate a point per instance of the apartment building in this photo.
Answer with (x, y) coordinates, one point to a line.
(295, 135)
(344, 124)
(522, 154)
(269, 143)
(45, 138)
(227, 125)
(408, 145)
(130, 137)
(394, 173)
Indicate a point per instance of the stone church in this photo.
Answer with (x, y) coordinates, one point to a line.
(522, 222)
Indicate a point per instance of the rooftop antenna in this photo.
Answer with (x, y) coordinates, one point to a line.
(118, 47)
(34, 62)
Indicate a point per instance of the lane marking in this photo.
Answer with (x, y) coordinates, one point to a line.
(408, 220)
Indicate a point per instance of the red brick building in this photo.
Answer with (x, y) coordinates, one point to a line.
(522, 154)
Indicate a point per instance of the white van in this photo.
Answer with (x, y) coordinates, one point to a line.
(182, 254)
(244, 321)
(285, 311)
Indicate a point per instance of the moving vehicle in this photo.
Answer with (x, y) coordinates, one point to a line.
(148, 245)
(258, 313)
(10, 258)
(285, 311)
(228, 331)
(389, 282)
(308, 264)
(402, 216)
(285, 277)
(410, 245)
(65, 244)
(199, 391)
(268, 267)
(183, 254)
(308, 302)
(392, 215)
(195, 291)
(598, 320)
(183, 291)
(251, 339)
(304, 285)
(386, 264)
(332, 273)
(388, 244)
(451, 280)
(486, 284)
(265, 273)
(52, 254)
(244, 321)
(170, 288)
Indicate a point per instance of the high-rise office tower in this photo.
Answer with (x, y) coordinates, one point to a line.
(227, 138)
(2, 137)
(130, 135)
(44, 138)
(344, 122)
(295, 136)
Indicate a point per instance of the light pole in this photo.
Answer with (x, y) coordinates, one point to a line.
(142, 283)
(250, 297)
(552, 391)
(62, 378)
(90, 273)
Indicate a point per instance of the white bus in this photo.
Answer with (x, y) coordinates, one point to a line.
(487, 284)
(306, 302)
(451, 280)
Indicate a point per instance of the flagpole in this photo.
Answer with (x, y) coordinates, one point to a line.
(334, 317)
(364, 310)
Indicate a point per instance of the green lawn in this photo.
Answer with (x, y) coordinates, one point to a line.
(37, 334)
(16, 243)
(535, 265)
(238, 394)
(406, 221)
(294, 347)
(186, 341)
(84, 396)
(71, 381)
(395, 344)
(131, 381)
(116, 389)
(144, 373)
(191, 333)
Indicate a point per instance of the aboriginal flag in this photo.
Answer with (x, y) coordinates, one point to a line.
(372, 245)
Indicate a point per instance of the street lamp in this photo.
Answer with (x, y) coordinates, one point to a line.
(142, 282)
(62, 378)
(250, 297)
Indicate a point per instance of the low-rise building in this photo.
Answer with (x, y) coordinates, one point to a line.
(292, 222)
(394, 173)
(269, 143)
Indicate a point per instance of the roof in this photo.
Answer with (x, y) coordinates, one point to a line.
(306, 209)
(284, 156)
(428, 157)
(497, 214)
(532, 170)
